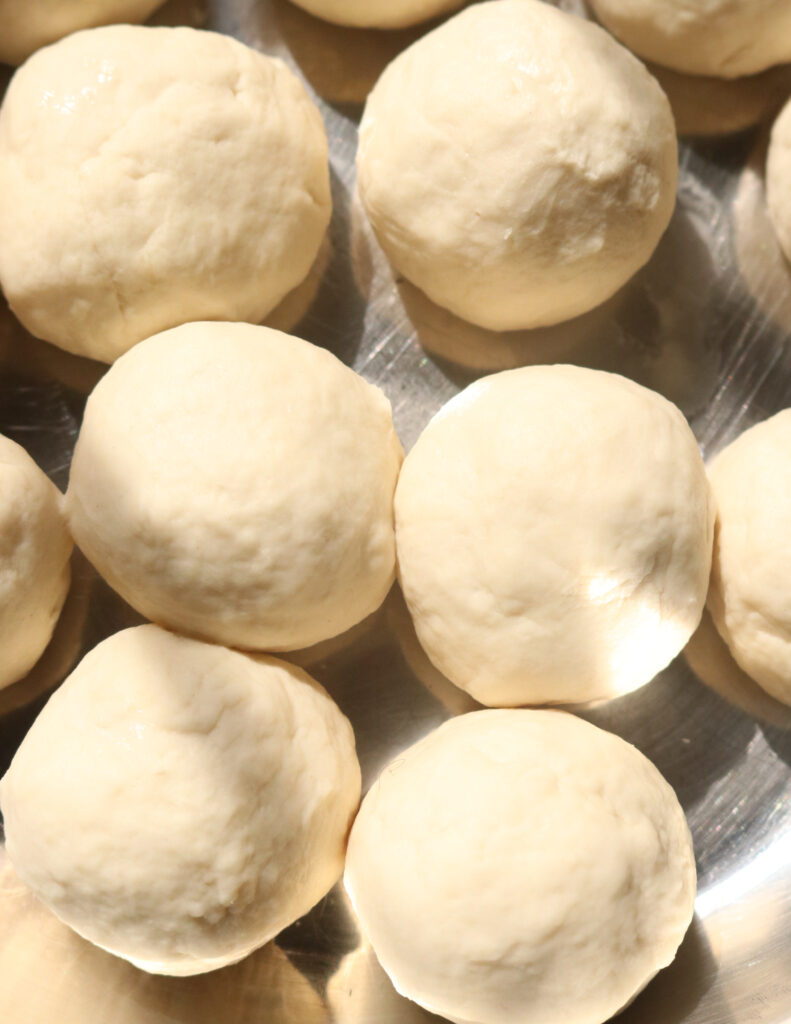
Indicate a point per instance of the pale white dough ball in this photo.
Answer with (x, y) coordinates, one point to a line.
(517, 164)
(26, 25)
(751, 569)
(178, 803)
(778, 179)
(152, 176)
(35, 548)
(554, 532)
(725, 38)
(236, 483)
(378, 13)
(521, 866)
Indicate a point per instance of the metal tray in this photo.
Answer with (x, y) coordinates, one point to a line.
(707, 323)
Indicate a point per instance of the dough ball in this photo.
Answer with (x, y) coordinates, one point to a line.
(517, 164)
(778, 179)
(521, 866)
(554, 532)
(235, 483)
(178, 803)
(35, 548)
(152, 176)
(378, 13)
(30, 24)
(726, 38)
(748, 598)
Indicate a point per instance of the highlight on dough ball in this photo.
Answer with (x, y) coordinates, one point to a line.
(378, 13)
(748, 598)
(236, 484)
(778, 179)
(35, 547)
(153, 176)
(179, 803)
(538, 805)
(554, 532)
(517, 164)
(725, 38)
(29, 25)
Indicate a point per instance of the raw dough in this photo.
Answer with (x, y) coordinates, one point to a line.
(554, 532)
(517, 164)
(153, 176)
(30, 24)
(778, 179)
(726, 38)
(378, 13)
(35, 547)
(236, 484)
(748, 598)
(178, 803)
(521, 866)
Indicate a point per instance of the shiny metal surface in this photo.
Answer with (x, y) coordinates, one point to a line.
(707, 323)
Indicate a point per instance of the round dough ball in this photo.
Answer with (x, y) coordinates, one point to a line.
(30, 24)
(178, 803)
(778, 179)
(521, 866)
(748, 597)
(725, 38)
(236, 483)
(35, 548)
(517, 164)
(554, 532)
(153, 176)
(378, 13)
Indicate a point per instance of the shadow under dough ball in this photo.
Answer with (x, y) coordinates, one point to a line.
(517, 164)
(154, 176)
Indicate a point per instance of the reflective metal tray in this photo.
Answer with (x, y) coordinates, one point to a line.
(707, 323)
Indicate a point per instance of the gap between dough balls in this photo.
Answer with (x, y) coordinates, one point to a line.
(517, 164)
(236, 484)
(154, 176)
(554, 532)
(179, 804)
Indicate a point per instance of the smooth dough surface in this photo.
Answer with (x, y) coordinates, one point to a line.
(35, 548)
(521, 866)
(778, 179)
(554, 532)
(179, 803)
(28, 25)
(378, 13)
(748, 598)
(153, 176)
(517, 164)
(726, 38)
(236, 484)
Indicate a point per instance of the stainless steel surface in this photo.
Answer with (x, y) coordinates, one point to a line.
(707, 323)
